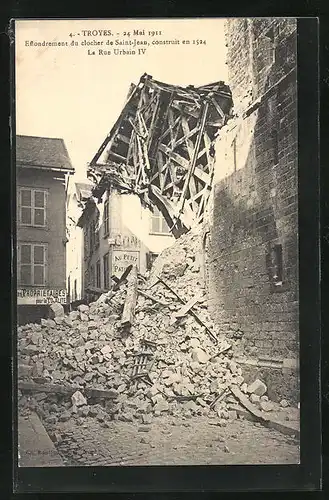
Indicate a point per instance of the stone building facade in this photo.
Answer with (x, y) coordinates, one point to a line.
(117, 232)
(252, 243)
(43, 167)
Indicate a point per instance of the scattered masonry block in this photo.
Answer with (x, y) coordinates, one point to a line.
(57, 310)
(78, 399)
(199, 355)
(257, 387)
(254, 398)
(83, 308)
(266, 405)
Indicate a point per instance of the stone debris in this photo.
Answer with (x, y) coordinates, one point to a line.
(78, 399)
(257, 387)
(57, 310)
(161, 363)
(266, 405)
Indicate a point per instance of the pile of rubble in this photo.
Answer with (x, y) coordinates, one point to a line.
(169, 359)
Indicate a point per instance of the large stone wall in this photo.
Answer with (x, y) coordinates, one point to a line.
(254, 213)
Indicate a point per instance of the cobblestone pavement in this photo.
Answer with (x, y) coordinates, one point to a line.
(167, 441)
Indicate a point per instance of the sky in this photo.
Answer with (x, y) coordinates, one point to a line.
(65, 92)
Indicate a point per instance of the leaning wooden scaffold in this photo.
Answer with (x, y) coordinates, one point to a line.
(162, 148)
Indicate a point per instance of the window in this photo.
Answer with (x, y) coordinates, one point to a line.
(158, 223)
(32, 264)
(91, 237)
(32, 207)
(106, 218)
(150, 258)
(85, 242)
(98, 274)
(106, 271)
(96, 238)
(86, 278)
(92, 275)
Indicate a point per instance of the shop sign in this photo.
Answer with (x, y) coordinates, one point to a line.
(121, 260)
(40, 296)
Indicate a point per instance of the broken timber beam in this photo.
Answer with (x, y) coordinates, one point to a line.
(287, 428)
(242, 398)
(122, 279)
(63, 389)
(218, 398)
(150, 297)
(221, 351)
(186, 308)
(191, 397)
(196, 317)
(195, 155)
(131, 299)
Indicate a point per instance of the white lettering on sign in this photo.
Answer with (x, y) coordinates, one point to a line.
(37, 296)
(121, 260)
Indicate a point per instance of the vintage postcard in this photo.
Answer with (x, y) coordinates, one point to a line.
(157, 242)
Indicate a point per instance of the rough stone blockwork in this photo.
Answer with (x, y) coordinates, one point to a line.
(253, 239)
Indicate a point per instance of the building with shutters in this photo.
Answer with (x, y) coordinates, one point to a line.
(42, 170)
(119, 231)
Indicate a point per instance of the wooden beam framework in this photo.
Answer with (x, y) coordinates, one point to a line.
(162, 148)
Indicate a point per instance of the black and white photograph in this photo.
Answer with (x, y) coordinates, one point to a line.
(156, 165)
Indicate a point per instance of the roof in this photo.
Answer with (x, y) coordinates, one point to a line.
(162, 148)
(185, 100)
(42, 152)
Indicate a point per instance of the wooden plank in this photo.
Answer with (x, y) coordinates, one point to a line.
(150, 297)
(116, 156)
(62, 389)
(112, 134)
(288, 428)
(244, 400)
(195, 155)
(168, 129)
(188, 133)
(123, 138)
(221, 351)
(122, 279)
(218, 108)
(185, 309)
(190, 311)
(219, 398)
(177, 227)
(131, 299)
(174, 156)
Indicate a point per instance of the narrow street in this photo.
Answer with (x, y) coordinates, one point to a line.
(170, 441)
